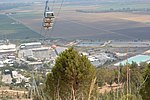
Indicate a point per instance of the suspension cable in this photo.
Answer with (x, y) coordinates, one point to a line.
(96, 28)
(60, 7)
(53, 5)
(52, 8)
(41, 30)
(57, 15)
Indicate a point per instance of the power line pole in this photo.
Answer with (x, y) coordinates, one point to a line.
(34, 88)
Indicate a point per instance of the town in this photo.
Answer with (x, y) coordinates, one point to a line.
(19, 62)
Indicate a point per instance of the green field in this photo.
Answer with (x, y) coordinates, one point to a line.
(27, 15)
(11, 29)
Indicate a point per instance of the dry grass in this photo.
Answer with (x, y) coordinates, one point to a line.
(108, 88)
(6, 92)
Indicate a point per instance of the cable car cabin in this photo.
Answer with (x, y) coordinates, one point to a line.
(47, 28)
(49, 14)
(47, 25)
(47, 20)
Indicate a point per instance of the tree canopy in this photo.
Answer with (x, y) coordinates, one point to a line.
(145, 90)
(71, 77)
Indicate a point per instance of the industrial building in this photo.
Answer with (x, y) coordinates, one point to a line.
(34, 49)
(137, 59)
(7, 49)
(7, 53)
(30, 45)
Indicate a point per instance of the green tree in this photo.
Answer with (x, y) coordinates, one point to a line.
(72, 77)
(145, 90)
(105, 75)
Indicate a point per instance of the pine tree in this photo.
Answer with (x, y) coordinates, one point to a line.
(145, 90)
(71, 76)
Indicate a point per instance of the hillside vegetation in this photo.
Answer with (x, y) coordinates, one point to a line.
(74, 78)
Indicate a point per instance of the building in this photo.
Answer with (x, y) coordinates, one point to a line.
(1, 64)
(25, 53)
(43, 52)
(6, 77)
(19, 78)
(34, 49)
(99, 59)
(7, 49)
(36, 65)
(137, 59)
(129, 44)
(56, 51)
(147, 52)
(7, 53)
(9, 62)
(30, 45)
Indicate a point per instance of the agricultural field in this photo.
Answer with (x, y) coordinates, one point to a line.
(71, 24)
(13, 29)
(120, 5)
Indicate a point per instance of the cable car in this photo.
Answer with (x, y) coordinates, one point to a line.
(49, 14)
(47, 28)
(48, 20)
(47, 25)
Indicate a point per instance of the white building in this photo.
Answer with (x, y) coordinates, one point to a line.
(25, 53)
(34, 49)
(43, 52)
(7, 49)
(30, 45)
(147, 52)
(1, 64)
(19, 77)
(10, 62)
(35, 64)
